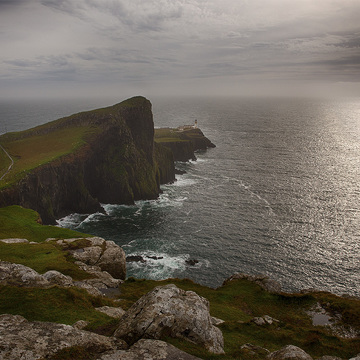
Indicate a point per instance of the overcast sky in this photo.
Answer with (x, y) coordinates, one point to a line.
(149, 47)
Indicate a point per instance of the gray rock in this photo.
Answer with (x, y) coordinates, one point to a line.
(215, 321)
(264, 281)
(146, 349)
(57, 278)
(258, 321)
(80, 325)
(327, 357)
(88, 255)
(114, 312)
(14, 241)
(21, 339)
(20, 275)
(174, 312)
(357, 357)
(289, 352)
(23, 276)
(264, 320)
(113, 260)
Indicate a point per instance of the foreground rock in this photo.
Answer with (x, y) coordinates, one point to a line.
(21, 339)
(174, 312)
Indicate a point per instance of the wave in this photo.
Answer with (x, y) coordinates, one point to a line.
(158, 265)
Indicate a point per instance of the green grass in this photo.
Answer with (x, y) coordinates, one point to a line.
(60, 305)
(17, 222)
(31, 152)
(42, 258)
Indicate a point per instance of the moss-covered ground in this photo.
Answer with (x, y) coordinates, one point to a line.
(29, 152)
(236, 302)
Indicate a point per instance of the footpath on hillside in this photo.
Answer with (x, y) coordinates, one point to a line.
(11, 164)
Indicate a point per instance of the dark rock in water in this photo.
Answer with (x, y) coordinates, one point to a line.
(135, 258)
(155, 257)
(191, 262)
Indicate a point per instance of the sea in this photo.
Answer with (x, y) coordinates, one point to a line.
(279, 195)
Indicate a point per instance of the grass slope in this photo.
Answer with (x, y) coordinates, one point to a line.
(17, 222)
(32, 151)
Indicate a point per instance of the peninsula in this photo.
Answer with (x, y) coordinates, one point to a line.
(106, 155)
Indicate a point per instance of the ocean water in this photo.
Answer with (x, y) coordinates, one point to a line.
(279, 195)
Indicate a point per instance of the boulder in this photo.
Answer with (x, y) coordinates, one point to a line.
(57, 278)
(114, 312)
(20, 275)
(22, 339)
(113, 260)
(168, 310)
(289, 352)
(264, 281)
(357, 357)
(146, 349)
(15, 241)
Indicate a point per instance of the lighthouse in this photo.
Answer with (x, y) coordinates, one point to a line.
(195, 125)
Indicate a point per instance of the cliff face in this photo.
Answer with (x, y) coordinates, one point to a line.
(116, 164)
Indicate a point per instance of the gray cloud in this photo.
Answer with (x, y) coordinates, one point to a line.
(173, 42)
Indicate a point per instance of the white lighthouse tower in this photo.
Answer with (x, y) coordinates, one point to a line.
(195, 125)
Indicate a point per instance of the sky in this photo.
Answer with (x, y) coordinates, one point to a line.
(67, 48)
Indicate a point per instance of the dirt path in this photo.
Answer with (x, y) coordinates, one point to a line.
(11, 165)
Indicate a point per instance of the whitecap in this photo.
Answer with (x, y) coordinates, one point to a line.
(92, 218)
(70, 221)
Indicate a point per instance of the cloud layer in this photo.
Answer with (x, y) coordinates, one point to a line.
(162, 46)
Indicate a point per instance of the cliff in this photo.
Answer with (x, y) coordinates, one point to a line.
(183, 143)
(75, 163)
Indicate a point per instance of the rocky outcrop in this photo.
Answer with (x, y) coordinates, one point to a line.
(23, 276)
(149, 350)
(106, 255)
(174, 312)
(116, 164)
(264, 281)
(21, 339)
